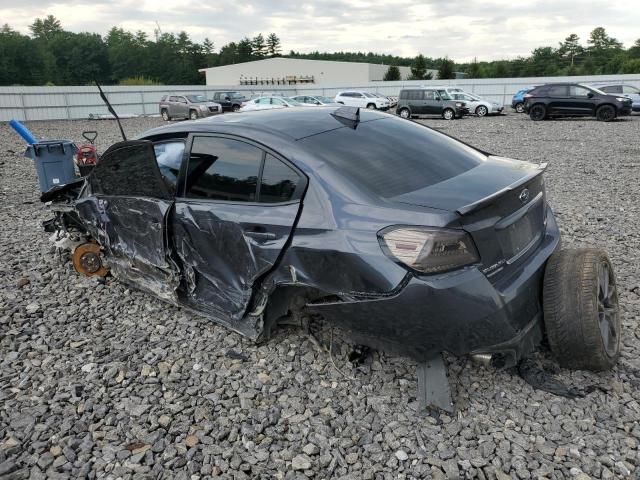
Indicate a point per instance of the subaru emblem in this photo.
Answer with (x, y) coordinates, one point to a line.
(524, 195)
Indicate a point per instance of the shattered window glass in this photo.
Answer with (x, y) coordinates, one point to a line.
(169, 156)
(223, 169)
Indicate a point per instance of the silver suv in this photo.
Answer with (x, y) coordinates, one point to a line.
(187, 106)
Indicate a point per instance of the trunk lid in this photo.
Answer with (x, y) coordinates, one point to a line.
(501, 204)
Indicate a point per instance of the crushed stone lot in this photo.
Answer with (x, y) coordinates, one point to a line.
(101, 381)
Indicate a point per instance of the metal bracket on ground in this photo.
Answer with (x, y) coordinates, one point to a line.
(433, 385)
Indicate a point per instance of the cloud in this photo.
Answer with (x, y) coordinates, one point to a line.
(460, 29)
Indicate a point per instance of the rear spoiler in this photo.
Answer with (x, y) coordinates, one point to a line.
(478, 204)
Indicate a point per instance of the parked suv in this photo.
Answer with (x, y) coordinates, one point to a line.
(622, 90)
(413, 102)
(230, 101)
(362, 99)
(574, 100)
(187, 106)
(517, 101)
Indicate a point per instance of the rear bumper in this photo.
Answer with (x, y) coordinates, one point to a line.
(459, 312)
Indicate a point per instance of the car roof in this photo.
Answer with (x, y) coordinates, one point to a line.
(295, 123)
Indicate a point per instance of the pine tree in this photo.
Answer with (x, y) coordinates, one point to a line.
(418, 69)
(258, 47)
(571, 47)
(446, 69)
(273, 45)
(393, 74)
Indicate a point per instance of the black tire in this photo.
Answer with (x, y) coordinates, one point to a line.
(537, 112)
(404, 113)
(606, 113)
(165, 115)
(371, 106)
(448, 114)
(236, 108)
(482, 111)
(519, 107)
(581, 313)
(193, 115)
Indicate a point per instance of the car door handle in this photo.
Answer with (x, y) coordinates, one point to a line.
(261, 235)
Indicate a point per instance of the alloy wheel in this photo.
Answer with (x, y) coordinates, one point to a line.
(608, 309)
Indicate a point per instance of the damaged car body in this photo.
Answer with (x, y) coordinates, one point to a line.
(407, 239)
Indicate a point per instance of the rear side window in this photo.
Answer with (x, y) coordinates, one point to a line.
(223, 169)
(164, 97)
(278, 182)
(386, 167)
(630, 89)
(612, 89)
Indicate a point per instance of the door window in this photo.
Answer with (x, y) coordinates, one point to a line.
(169, 157)
(557, 91)
(277, 101)
(223, 169)
(630, 90)
(278, 182)
(173, 99)
(263, 101)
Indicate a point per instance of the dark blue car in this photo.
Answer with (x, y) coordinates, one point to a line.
(403, 237)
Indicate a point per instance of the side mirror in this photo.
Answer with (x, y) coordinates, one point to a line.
(227, 99)
(317, 103)
(590, 95)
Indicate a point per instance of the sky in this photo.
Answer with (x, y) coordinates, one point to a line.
(459, 29)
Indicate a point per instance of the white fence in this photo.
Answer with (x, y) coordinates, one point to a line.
(52, 103)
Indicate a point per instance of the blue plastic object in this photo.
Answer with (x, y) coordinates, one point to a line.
(53, 160)
(23, 132)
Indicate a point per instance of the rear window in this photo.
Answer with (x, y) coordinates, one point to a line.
(373, 156)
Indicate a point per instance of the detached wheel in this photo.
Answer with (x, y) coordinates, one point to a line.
(481, 111)
(537, 112)
(606, 113)
(581, 313)
(193, 115)
(448, 114)
(404, 113)
(165, 116)
(520, 107)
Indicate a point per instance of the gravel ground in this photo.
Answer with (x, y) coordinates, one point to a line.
(100, 381)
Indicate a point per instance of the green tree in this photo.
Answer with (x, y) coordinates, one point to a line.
(46, 28)
(245, 50)
(474, 70)
(599, 40)
(273, 45)
(570, 48)
(21, 60)
(258, 46)
(418, 68)
(393, 74)
(446, 69)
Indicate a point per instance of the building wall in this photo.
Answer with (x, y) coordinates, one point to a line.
(324, 72)
(75, 102)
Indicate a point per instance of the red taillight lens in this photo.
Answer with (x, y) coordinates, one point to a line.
(429, 250)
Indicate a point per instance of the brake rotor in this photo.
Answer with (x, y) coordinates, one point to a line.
(87, 260)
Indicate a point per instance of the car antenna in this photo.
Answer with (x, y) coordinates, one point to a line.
(111, 110)
(350, 116)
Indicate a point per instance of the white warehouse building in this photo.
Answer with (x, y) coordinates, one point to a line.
(293, 71)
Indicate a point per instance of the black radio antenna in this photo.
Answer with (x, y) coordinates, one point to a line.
(111, 110)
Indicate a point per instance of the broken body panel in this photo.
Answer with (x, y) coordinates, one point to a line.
(247, 263)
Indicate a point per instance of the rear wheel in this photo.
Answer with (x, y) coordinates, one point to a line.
(581, 313)
(606, 113)
(520, 107)
(448, 114)
(236, 108)
(404, 113)
(193, 115)
(537, 112)
(371, 106)
(481, 111)
(165, 115)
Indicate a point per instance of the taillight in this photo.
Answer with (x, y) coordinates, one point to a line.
(527, 95)
(429, 250)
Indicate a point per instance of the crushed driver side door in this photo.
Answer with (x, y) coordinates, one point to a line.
(125, 208)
